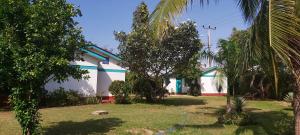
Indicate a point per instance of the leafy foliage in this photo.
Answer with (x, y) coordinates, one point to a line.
(234, 118)
(239, 103)
(62, 97)
(289, 97)
(38, 38)
(157, 60)
(121, 91)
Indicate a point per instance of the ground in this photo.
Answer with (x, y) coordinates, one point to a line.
(177, 115)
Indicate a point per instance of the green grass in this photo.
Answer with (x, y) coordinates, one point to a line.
(176, 115)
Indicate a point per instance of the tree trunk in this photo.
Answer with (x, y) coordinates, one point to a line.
(296, 103)
(228, 105)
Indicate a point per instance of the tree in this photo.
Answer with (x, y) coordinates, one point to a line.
(157, 60)
(274, 21)
(38, 39)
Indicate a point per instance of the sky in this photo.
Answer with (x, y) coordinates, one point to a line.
(100, 18)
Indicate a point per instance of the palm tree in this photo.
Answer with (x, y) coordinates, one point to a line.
(275, 31)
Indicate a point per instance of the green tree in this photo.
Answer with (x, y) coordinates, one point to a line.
(38, 39)
(153, 59)
(275, 22)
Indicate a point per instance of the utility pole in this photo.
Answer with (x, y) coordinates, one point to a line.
(209, 28)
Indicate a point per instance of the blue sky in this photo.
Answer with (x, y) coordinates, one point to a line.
(102, 17)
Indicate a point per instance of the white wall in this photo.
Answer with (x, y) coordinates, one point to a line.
(105, 79)
(87, 87)
(172, 85)
(209, 83)
(99, 80)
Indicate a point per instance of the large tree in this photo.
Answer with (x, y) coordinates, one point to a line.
(156, 59)
(274, 21)
(38, 39)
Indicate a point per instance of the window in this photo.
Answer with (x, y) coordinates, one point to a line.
(106, 61)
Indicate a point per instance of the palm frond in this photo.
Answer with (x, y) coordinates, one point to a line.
(167, 10)
(283, 31)
(249, 8)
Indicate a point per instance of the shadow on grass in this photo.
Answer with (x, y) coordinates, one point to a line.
(272, 123)
(182, 101)
(99, 126)
(199, 126)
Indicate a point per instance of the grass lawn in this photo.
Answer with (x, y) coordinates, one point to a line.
(195, 115)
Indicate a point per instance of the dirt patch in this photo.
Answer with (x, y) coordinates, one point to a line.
(140, 131)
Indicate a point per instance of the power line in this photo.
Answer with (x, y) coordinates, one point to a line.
(209, 29)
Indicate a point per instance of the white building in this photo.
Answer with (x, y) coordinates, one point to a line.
(211, 81)
(103, 67)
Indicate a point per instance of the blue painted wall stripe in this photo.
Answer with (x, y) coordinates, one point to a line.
(93, 54)
(112, 70)
(102, 69)
(212, 76)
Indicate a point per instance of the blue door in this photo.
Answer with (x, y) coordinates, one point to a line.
(178, 85)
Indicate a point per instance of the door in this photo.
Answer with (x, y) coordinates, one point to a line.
(178, 85)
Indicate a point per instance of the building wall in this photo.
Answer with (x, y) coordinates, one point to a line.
(210, 83)
(87, 87)
(172, 85)
(105, 79)
(107, 74)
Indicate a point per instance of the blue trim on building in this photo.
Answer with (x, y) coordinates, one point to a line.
(106, 52)
(101, 69)
(112, 70)
(93, 54)
(213, 76)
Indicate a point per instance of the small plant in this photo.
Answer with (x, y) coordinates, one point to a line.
(62, 97)
(285, 125)
(121, 91)
(234, 118)
(91, 100)
(289, 97)
(239, 103)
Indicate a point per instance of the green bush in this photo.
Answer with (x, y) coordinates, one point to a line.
(121, 91)
(284, 126)
(288, 97)
(235, 118)
(91, 100)
(239, 103)
(62, 97)
(145, 88)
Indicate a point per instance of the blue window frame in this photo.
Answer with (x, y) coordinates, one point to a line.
(106, 61)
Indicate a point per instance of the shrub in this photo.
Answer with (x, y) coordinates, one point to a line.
(62, 97)
(235, 118)
(121, 91)
(91, 100)
(239, 103)
(145, 88)
(288, 97)
(284, 126)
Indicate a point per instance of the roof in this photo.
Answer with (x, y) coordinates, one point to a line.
(110, 54)
(208, 70)
(93, 54)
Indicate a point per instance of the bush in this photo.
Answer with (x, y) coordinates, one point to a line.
(91, 100)
(284, 126)
(239, 103)
(288, 97)
(121, 91)
(235, 118)
(62, 97)
(145, 88)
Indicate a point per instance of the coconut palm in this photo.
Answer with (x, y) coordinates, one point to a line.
(275, 31)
